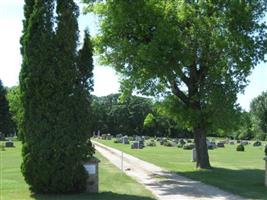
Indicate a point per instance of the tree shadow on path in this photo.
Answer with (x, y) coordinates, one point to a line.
(86, 196)
(245, 182)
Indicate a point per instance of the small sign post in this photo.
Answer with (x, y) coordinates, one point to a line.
(91, 168)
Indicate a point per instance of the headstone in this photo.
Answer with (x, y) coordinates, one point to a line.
(9, 143)
(138, 138)
(94, 135)
(220, 144)
(98, 134)
(109, 137)
(189, 146)
(119, 136)
(232, 143)
(104, 136)
(244, 142)
(125, 140)
(135, 145)
(211, 145)
(91, 168)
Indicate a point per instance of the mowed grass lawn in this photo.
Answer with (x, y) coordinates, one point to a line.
(114, 185)
(240, 173)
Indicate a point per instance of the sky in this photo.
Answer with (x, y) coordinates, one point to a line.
(106, 80)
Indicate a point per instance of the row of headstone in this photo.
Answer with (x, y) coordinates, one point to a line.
(106, 137)
(138, 145)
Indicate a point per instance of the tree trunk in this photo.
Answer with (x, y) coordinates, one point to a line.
(201, 148)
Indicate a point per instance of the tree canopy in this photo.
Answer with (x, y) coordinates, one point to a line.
(201, 51)
(258, 109)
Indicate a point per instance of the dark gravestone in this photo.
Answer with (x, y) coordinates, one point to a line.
(137, 145)
(9, 143)
(211, 145)
(141, 144)
(220, 144)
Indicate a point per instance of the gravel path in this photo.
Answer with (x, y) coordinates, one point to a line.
(164, 185)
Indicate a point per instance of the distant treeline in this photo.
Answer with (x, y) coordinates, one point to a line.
(133, 116)
(137, 115)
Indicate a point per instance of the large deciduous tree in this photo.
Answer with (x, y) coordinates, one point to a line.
(258, 109)
(55, 100)
(201, 51)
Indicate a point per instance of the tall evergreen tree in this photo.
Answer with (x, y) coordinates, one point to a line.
(36, 82)
(85, 63)
(5, 116)
(55, 122)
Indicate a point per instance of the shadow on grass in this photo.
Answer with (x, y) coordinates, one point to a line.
(86, 196)
(245, 182)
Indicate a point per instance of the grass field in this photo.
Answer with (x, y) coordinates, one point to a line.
(114, 185)
(237, 172)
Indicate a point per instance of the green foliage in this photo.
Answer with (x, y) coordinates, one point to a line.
(167, 143)
(258, 109)
(257, 144)
(240, 147)
(115, 116)
(246, 128)
(151, 143)
(16, 109)
(55, 99)
(201, 51)
(149, 120)
(6, 126)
